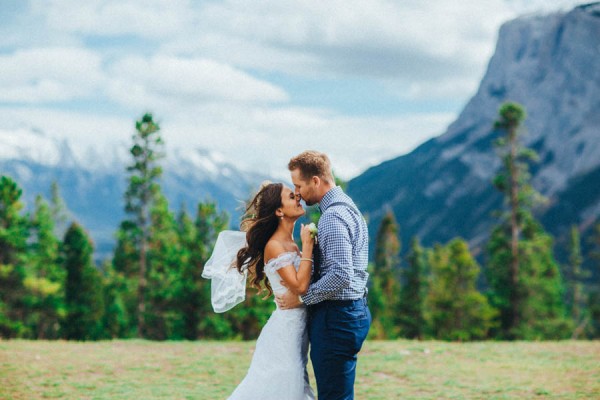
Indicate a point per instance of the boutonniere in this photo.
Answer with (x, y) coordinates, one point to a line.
(313, 231)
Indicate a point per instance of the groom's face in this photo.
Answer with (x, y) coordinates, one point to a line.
(305, 188)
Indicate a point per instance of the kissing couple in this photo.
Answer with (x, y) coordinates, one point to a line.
(320, 290)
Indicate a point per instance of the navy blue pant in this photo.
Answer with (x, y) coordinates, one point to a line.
(337, 330)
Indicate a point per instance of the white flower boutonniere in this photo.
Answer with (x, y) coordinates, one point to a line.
(313, 230)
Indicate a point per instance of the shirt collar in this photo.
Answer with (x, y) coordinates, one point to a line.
(329, 197)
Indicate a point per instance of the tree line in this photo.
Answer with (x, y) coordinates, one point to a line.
(152, 288)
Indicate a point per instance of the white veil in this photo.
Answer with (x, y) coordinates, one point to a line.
(228, 285)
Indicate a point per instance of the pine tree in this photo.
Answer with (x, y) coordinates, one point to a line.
(14, 231)
(140, 196)
(46, 276)
(575, 282)
(513, 270)
(385, 287)
(413, 293)
(190, 291)
(115, 322)
(164, 274)
(455, 309)
(124, 275)
(512, 182)
(543, 311)
(83, 290)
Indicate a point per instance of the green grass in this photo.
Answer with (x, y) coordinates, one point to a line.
(137, 369)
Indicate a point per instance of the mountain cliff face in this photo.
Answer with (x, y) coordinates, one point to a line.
(443, 188)
(93, 180)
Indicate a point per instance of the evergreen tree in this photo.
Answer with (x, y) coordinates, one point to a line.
(190, 288)
(575, 282)
(83, 290)
(542, 287)
(140, 196)
(124, 275)
(164, 274)
(413, 293)
(115, 322)
(13, 247)
(385, 287)
(455, 309)
(512, 181)
(514, 270)
(46, 276)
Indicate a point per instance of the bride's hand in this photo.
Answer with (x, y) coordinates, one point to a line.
(307, 238)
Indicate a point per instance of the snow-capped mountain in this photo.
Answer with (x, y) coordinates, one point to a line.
(549, 64)
(93, 180)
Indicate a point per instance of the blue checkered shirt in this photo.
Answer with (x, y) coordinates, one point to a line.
(344, 245)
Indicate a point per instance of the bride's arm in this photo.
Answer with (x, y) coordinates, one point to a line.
(299, 281)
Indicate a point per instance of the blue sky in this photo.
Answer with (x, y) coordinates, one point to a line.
(256, 81)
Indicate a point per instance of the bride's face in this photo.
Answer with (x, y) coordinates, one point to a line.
(290, 204)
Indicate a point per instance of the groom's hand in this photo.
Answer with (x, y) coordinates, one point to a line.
(288, 300)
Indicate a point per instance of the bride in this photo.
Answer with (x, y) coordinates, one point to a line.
(278, 367)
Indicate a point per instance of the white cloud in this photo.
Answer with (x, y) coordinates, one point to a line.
(171, 82)
(264, 139)
(81, 129)
(49, 74)
(260, 139)
(439, 28)
(146, 18)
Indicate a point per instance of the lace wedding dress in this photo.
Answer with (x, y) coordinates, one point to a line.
(278, 367)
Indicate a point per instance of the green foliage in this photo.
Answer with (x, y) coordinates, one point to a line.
(164, 274)
(198, 238)
(539, 285)
(14, 231)
(115, 321)
(413, 293)
(142, 191)
(385, 287)
(83, 290)
(455, 310)
(46, 276)
(575, 277)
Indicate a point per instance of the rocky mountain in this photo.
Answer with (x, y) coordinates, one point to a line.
(93, 181)
(549, 64)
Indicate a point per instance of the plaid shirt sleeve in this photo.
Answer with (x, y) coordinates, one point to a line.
(336, 257)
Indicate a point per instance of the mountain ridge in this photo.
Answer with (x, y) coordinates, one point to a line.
(443, 188)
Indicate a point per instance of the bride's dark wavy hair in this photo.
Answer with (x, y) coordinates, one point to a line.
(260, 224)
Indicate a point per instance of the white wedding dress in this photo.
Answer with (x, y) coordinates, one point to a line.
(278, 367)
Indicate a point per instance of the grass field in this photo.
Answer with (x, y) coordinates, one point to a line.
(138, 369)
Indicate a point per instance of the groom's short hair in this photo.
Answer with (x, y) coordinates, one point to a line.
(312, 163)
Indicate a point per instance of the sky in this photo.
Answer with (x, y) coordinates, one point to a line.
(255, 81)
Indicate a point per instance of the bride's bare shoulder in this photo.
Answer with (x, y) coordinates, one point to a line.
(273, 249)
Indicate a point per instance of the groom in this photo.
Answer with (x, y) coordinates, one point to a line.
(339, 318)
